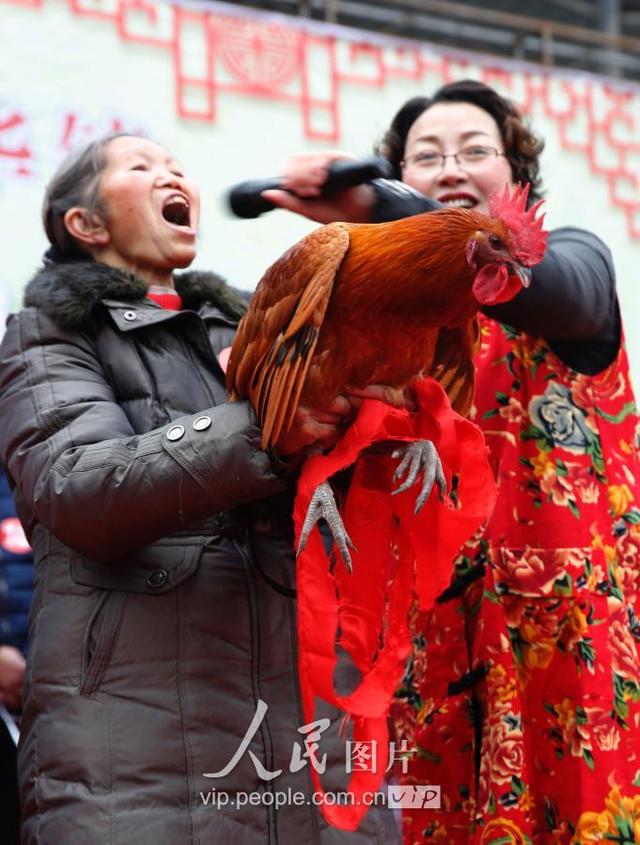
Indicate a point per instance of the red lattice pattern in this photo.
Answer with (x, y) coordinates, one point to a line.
(255, 56)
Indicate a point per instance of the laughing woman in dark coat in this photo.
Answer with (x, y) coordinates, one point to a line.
(163, 608)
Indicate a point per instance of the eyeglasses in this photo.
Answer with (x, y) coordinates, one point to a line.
(467, 158)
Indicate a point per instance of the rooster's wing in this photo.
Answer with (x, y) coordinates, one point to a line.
(277, 337)
(453, 364)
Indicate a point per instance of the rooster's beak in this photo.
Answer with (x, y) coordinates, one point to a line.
(523, 273)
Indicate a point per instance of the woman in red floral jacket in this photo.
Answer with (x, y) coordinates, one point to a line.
(522, 700)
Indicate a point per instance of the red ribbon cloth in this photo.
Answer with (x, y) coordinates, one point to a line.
(398, 556)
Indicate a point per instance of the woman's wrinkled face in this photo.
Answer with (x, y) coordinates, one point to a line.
(448, 128)
(151, 208)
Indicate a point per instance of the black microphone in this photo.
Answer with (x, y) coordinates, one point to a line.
(245, 201)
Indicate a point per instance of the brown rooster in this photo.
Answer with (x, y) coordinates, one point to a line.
(352, 305)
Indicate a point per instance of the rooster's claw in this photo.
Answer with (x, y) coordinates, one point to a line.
(323, 506)
(419, 455)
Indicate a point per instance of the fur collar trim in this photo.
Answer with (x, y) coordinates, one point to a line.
(71, 293)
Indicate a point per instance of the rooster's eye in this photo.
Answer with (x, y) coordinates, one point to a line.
(495, 242)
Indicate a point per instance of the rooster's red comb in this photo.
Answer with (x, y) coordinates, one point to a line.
(528, 238)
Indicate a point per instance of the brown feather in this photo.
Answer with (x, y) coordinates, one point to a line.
(282, 326)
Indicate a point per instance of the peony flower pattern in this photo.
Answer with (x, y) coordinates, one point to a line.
(526, 697)
(617, 821)
(560, 419)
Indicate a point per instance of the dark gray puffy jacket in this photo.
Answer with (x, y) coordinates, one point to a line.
(163, 606)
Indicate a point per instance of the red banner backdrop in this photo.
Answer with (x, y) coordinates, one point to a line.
(258, 55)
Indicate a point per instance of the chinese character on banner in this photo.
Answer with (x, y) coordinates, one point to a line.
(361, 756)
(74, 131)
(16, 153)
(400, 755)
(298, 758)
(77, 129)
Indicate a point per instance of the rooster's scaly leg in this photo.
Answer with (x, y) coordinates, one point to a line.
(419, 456)
(323, 506)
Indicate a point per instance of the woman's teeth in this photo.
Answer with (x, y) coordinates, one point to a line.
(462, 202)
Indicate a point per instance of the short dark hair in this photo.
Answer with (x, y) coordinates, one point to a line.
(76, 182)
(522, 147)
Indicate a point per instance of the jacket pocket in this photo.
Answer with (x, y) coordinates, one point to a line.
(153, 569)
(150, 570)
(100, 635)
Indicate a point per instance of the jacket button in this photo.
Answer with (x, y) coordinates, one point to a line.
(202, 423)
(175, 432)
(157, 578)
(130, 315)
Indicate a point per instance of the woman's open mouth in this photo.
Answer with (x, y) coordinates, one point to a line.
(177, 211)
(458, 200)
